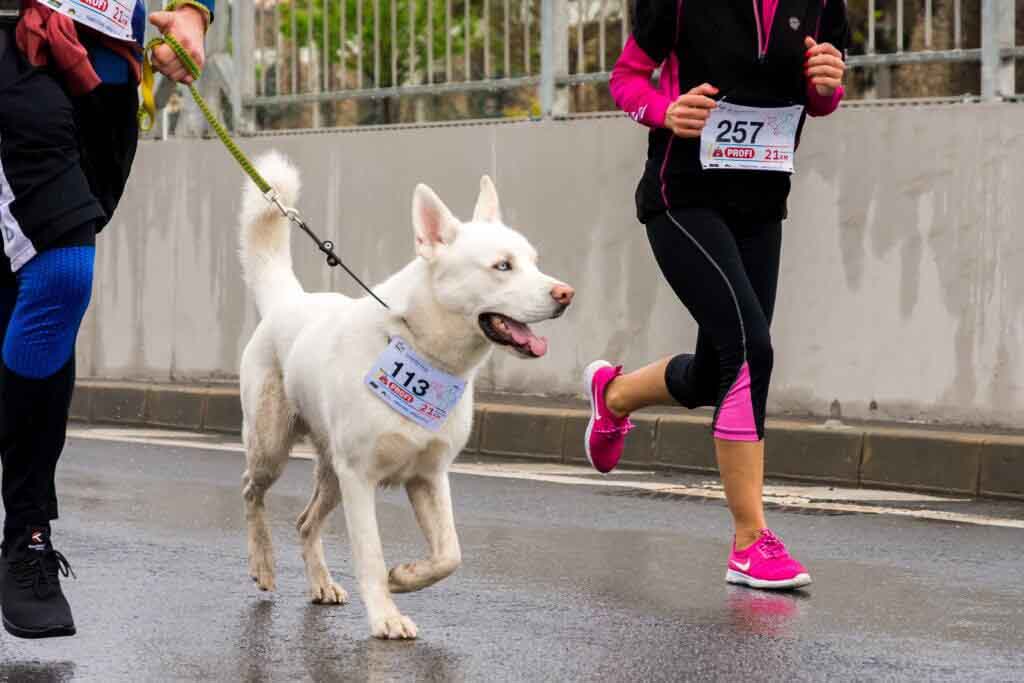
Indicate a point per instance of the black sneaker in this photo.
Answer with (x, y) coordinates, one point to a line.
(33, 603)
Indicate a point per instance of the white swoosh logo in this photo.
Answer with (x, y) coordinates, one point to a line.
(742, 567)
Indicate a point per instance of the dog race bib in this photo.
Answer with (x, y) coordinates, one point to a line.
(750, 138)
(110, 17)
(412, 388)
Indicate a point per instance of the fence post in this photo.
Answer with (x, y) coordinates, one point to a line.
(243, 33)
(554, 56)
(998, 26)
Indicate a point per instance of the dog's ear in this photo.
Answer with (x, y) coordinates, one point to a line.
(433, 222)
(488, 210)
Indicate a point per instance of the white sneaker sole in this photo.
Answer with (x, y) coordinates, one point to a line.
(741, 579)
(588, 386)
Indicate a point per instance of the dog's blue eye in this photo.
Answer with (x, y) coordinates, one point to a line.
(503, 266)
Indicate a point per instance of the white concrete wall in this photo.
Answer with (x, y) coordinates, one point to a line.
(902, 281)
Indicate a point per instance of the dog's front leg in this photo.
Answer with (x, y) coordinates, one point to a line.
(431, 498)
(359, 500)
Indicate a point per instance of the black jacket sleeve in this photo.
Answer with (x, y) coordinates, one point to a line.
(654, 27)
(835, 28)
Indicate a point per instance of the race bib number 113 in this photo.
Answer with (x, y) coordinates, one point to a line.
(750, 138)
(412, 387)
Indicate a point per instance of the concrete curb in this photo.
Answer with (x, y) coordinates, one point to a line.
(904, 457)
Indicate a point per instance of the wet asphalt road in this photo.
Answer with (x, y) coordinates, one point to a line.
(559, 583)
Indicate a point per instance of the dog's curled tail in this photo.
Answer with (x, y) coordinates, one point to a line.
(266, 235)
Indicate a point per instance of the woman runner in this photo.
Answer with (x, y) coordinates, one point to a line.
(737, 79)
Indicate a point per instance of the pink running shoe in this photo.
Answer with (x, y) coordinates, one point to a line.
(766, 564)
(606, 434)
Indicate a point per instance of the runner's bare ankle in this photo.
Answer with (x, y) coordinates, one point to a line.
(614, 400)
(746, 538)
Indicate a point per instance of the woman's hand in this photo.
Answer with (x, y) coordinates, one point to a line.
(687, 115)
(824, 67)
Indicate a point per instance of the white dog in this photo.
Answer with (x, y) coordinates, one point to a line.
(334, 368)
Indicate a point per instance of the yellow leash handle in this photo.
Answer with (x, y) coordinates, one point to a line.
(147, 110)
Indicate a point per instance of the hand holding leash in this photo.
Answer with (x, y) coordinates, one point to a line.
(188, 22)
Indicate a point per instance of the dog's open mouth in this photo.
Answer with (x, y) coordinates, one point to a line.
(505, 331)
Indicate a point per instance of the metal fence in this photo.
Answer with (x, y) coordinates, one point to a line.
(316, 63)
(324, 51)
(995, 50)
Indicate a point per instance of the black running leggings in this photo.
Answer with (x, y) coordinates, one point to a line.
(726, 272)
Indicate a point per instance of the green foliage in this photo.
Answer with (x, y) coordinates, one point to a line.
(376, 17)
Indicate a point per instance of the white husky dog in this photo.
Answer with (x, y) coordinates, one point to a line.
(305, 372)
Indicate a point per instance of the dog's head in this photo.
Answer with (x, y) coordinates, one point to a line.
(486, 272)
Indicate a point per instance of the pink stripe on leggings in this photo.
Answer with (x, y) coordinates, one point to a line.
(736, 415)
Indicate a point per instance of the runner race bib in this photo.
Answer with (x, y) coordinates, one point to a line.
(412, 388)
(110, 17)
(750, 138)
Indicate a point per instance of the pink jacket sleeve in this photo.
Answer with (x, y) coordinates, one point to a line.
(834, 28)
(822, 106)
(632, 89)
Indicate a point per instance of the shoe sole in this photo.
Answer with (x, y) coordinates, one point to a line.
(740, 579)
(52, 632)
(588, 383)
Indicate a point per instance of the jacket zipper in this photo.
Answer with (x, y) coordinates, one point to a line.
(762, 44)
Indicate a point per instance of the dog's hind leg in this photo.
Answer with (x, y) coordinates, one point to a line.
(326, 497)
(431, 499)
(269, 433)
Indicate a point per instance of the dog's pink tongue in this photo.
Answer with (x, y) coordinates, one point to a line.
(524, 336)
(538, 346)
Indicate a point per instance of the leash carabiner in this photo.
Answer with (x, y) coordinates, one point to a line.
(325, 246)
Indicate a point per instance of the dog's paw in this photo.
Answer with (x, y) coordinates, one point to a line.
(329, 593)
(397, 627)
(261, 571)
(403, 579)
(415, 576)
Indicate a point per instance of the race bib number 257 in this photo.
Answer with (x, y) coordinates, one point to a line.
(750, 138)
